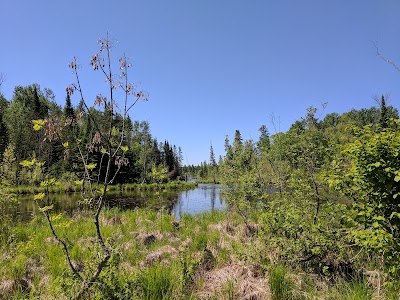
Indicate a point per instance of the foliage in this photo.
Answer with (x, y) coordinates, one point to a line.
(244, 186)
(371, 178)
(307, 185)
(8, 203)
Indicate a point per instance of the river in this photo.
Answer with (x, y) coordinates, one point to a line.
(203, 198)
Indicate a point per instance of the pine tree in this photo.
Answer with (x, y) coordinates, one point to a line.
(237, 142)
(3, 127)
(384, 120)
(264, 142)
(68, 109)
(212, 163)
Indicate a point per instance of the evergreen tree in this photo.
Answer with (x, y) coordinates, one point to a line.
(264, 142)
(156, 153)
(237, 141)
(68, 109)
(384, 119)
(145, 149)
(3, 126)
(169, 156)
(212, 163)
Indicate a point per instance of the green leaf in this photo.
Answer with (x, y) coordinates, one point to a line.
(65, 145)
(377, 164)
(37, 124)
(91, 166)
(56, 218)
(395, 214)
(46, 208)
(27, 163)
(39, 196)
(40, 164)
(124, 148)
(397, 178)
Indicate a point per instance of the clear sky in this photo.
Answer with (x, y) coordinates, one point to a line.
(212, 66)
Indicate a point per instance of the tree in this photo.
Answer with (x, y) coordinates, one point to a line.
(307, 153)
(145, 149)
(264, 143)
(212, 163)
(102, 154)
(239, 174)
(3, 126)
(9, 166)
(237, 141)
(30, 103)
(384, 118)
(69, 112)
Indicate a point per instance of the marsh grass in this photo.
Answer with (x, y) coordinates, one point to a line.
(205, 256)
(228, 291)
(156, 283)
(280, 283)
(356, 289)
(71, 187)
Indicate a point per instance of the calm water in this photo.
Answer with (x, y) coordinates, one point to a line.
(206, 197)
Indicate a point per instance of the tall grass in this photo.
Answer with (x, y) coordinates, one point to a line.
(68, 187)
(280, 284)
(156, 283)
(356, 289)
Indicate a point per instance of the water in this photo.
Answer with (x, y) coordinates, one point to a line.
(206, 197)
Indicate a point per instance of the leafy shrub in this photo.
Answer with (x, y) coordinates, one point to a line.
(287, 226)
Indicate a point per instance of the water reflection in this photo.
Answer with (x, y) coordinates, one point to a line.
(206, 197)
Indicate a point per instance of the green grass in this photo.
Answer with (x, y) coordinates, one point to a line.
(356, 289)
(203, 244)
(280, 283)
(156, 283)
(68, 187)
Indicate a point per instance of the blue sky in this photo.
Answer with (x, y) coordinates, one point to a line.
(211, 66)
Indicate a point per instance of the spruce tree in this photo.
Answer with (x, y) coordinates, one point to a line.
(212, 163)
(264, 143)
(68, 109)
(3, 127)
(384, 114)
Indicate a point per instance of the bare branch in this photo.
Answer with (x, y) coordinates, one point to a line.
(384, 58)
(62, 242)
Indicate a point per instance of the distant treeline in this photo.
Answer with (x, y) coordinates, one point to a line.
(332, 126)
(19, 141)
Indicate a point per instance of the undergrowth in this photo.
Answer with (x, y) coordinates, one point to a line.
(207, 256)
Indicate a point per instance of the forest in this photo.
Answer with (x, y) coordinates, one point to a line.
(311, 213)
(19, 140)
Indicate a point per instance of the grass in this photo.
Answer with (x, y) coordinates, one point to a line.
(207, 256)
(280, 283)
(156, 283)
(68, 187)
(357, 289)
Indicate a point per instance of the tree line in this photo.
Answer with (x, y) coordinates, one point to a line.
(20, 141)
(324, 194)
